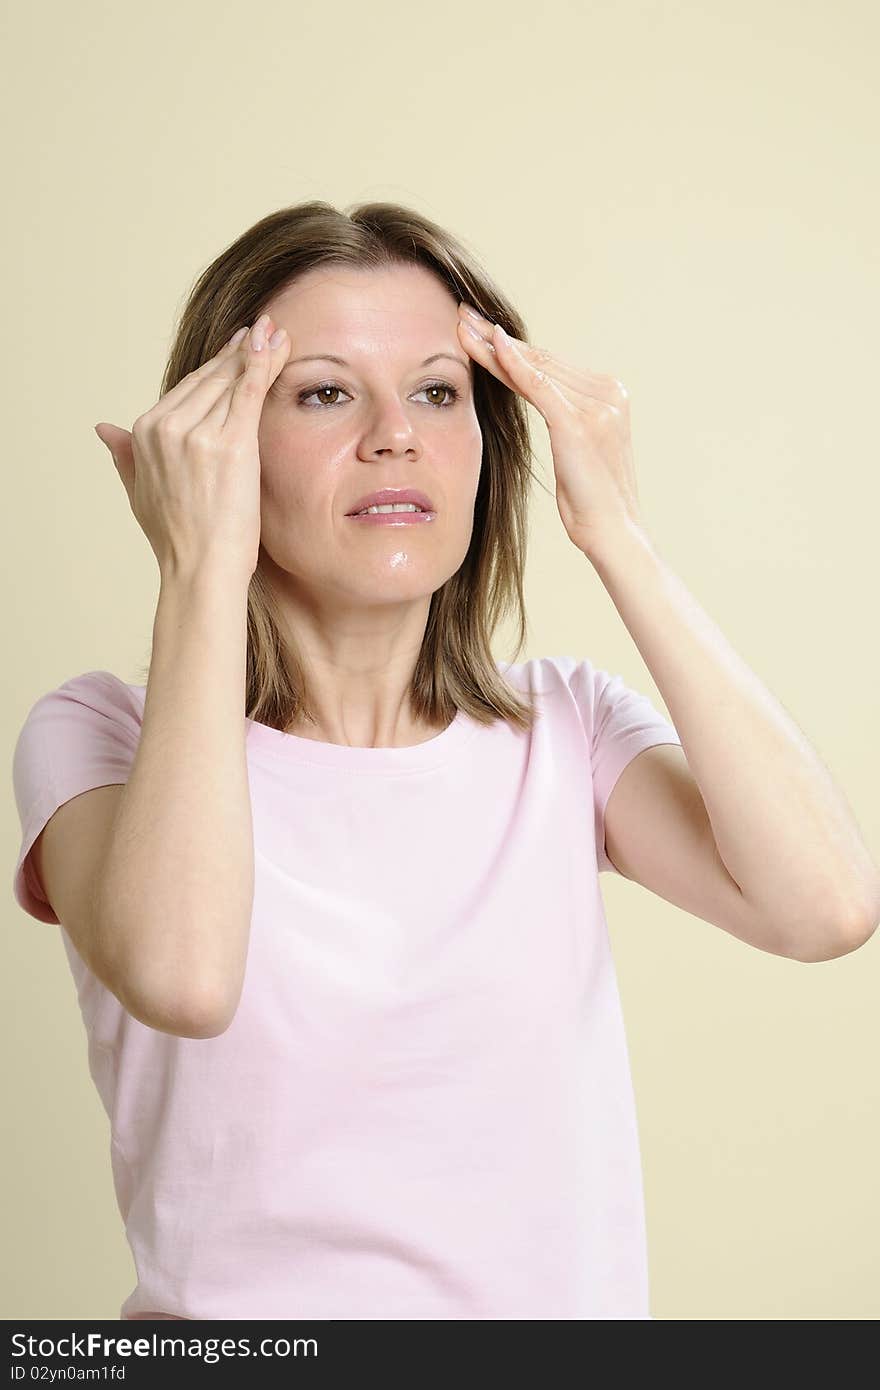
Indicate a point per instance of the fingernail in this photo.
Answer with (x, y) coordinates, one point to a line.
(237, 337)
(277, 338)
(258, 334)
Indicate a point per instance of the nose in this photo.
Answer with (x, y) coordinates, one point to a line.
(390, 433)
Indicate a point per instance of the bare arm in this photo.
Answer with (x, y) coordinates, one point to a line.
(770, 819)
(176, 894)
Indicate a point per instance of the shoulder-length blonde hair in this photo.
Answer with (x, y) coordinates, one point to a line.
(455, 669)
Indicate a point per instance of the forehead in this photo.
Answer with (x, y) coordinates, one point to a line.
(362, 310)
(357, 318)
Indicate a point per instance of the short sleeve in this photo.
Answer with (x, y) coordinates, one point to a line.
(80, 736)
(620, 722)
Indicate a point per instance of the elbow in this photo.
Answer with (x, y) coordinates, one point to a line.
(859, 925)
(192, 1021)
(200, 1014)
(204, 1017)
(170, 995)
(849, 931)
(206, 1023)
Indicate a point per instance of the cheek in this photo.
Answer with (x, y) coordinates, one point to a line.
(472, 450)
(473, 433)
(288, 487)
(289, 466)
(462, 435)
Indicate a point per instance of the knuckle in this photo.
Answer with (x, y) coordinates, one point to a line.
(251, 385)
(196, 376)
(235, 447)
(170, 426)
(599, 412)
(201, 438)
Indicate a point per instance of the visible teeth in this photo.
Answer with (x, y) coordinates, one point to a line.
(396, 507)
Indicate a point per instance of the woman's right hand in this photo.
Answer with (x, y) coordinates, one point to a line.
(191, 464)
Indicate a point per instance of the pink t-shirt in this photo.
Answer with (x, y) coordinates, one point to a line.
(423, 1106)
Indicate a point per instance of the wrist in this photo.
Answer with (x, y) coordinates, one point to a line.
(606, 545)
(209, 578)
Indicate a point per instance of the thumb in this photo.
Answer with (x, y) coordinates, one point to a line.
(111, 436)
(118, 442)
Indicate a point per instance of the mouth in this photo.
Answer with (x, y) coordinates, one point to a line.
(392, 518)
(403, 503)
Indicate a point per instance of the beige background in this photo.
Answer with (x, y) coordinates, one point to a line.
(681, 194)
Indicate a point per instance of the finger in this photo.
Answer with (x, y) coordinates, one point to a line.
(210, 395)
(483, 352)
(230, 352)
(118, 444)
(575, 380)
(576, 384)
(111, 436)
(249, 391)
(502, 360)
(531, 381)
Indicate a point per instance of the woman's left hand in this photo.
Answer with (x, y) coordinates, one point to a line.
(587, 415)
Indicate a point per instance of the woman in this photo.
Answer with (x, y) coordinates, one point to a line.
(339, 945)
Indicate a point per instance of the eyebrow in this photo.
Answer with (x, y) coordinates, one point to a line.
(341, 362)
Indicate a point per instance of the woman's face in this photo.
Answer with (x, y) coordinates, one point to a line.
(382, 421)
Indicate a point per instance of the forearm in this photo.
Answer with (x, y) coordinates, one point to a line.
(782, 826)
(178, 881)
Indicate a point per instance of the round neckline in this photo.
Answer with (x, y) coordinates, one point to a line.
(430, 753)
(414, 757)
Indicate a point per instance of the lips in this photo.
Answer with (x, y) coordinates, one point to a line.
(387, 496)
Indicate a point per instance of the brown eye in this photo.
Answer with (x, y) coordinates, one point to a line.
(316, 391)
(452, 393)
(450, 390)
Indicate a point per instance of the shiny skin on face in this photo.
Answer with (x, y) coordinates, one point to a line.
(329, 434)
